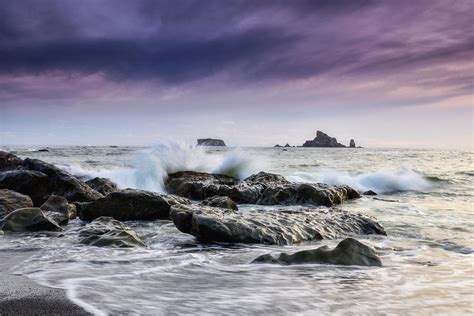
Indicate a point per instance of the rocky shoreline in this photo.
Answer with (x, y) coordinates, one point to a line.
(37, 196)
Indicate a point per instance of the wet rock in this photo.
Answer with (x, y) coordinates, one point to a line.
(43, 150)
(352, 144)
(62, 183)
(11, 200)
(28, 219)
(102, 185)
(348, 252)
(370, 192)
(261, 188)
(322, 140)
(58, 209)
(220, 201)
(108, 232)
(131, 204)
(9, 161)
(281, 227)
(210, 142)
(35, 184)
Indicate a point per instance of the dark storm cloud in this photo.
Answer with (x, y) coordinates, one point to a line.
(180, 41)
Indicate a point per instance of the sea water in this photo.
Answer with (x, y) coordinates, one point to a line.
(425, 203)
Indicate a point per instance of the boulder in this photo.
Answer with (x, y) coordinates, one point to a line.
(58, 209)
(9, 161)
(352, 144)
(28, 219)
(323, 140)
(102, 185)
(131, 204)
(108, 232)
(11, 200)
(262, 188)
(279, 227)
(370, 192)
(220, 201)
(32, 183)
(210, 142)
(348, 252)
(62, 183)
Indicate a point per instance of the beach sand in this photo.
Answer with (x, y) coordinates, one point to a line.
(21, 296)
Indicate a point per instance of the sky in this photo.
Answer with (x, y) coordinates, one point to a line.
(254, 73)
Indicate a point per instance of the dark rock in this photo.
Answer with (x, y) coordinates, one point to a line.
(220, 201)
(43, 150)
(287, 145)
(28, 219)
(9, 161)
(322, 140)
(370, 192)
(11, 200)
(131, 204)
(352, 144)
(62, 183)
(210, 142)
(261, 188)
(281, 227)
(58, 209)
(348, 252)
(278, 146)
(32, 183)
(102, 185)
(108, 232)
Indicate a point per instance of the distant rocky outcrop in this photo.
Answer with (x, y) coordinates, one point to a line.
(352, 144)
(278, 145)
(210, 142)
(323, 140)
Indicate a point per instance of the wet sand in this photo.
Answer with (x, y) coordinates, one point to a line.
(21, 296)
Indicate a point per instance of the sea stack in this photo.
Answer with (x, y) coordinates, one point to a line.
(210, 142)
(352, 144)
(323, 140)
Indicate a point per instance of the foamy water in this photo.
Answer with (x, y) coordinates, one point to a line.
(425, 204)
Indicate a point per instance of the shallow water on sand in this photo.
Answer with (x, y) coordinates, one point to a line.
(425, 204)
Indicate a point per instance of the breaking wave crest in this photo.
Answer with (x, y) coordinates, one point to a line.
(382, 181)
(151, 166)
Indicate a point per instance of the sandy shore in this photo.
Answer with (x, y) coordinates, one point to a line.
(21, 296)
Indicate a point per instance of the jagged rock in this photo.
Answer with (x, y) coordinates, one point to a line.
(11, 200)
(9, 161)
(287, 145)
(58, 209)
(370, 192)
(352, 144)
(102, 185)
(210, 142)
(62, 183)
(280, 227)
(131, 204)
(32, 183)
(261, 188)
(220, 201)
(278, 146)
(322, 140)
(348, 252)
(28, 219)
(108, 232)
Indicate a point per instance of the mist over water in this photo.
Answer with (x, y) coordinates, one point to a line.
(425, 204)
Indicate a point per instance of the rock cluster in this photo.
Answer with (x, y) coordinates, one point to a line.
(29, 183)
(262, 188)
(210, 142)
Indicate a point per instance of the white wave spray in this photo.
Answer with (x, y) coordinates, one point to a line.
(382, 181)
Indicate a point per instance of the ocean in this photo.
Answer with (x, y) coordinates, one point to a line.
(425, 202)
